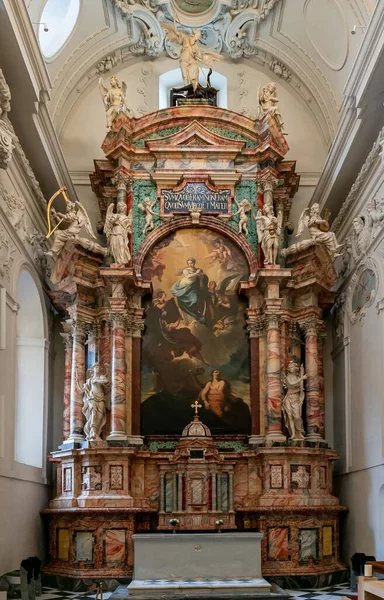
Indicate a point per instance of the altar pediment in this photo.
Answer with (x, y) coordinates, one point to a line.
(195, 141)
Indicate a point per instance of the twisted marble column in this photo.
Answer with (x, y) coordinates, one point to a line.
(312, 383)
(77, 382)
(274, 416)
(119, 373)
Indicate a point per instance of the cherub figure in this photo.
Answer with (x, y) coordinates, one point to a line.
(268, 232)
(114, 99)
(147, 207)
(319, 230)
(76, 217)
(269, 102)
(243, 208)
(117, 228)
(192, 56)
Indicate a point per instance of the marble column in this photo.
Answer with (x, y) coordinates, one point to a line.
(230, 492)
(274, 415)
(77, 383)
(214, 491)
(255, 326)
(136, 332)
(321, 385)
(118, 387)
(312, 384)
(284, 345)
(162, 492)
(68, 344)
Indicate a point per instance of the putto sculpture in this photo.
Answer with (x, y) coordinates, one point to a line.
(147, 207)
(269, 103)
(114, 99)
(192, 56)
(268, 232)
(96, 402)
(117, 228)
(293, 400)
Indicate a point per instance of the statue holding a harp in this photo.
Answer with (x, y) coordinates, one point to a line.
(76, 218)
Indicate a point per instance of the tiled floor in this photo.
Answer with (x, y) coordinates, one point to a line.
(330, 593)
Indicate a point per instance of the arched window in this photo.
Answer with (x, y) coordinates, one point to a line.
(173, 79)
(58, 20)
(30, 374)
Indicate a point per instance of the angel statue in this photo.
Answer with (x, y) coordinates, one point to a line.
(114, 98)
(269, 102)
(192, 56)
(76, 217)
(268, 232)
(117, 228)
(96, 402)
(319, 230)
(293, 400)
(147, 207)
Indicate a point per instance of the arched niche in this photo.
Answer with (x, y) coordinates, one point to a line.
(195, 345)
(30, 373)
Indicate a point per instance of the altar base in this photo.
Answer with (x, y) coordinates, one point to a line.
(198, 564)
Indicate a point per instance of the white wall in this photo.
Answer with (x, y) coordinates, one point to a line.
(358, 406)
(24, 488)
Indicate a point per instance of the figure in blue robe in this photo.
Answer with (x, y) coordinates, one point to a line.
(191, 291)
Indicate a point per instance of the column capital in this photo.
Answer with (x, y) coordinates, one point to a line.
(273, 320)
(311, 326)
(79, 328)
(121, 180)
(256, 327)
(67, 340)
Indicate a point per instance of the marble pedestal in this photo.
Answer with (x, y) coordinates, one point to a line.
(198, 564)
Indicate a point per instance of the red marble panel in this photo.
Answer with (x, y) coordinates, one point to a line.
(115, 545)
(278, 543)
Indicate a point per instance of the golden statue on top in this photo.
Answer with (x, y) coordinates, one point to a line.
(192, 56)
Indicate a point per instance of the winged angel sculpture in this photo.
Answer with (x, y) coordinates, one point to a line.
(268, 232)
(76, 218)
(114, 98)
(192, 56)
(318, 230)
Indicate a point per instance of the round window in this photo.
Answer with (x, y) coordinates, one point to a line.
(60, 17)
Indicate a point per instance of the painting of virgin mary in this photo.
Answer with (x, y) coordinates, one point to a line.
(191, 291)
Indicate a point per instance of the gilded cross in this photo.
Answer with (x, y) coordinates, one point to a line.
(196, 406)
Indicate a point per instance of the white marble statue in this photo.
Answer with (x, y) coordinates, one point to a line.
(318, 230)
(375, 214)
(76, 217)
(292, 404)
(243, 208)
(117, 228)
(192, 56)
(269, 103)
(147, 207)
(95, 402)
(268, 232)
(114, 99)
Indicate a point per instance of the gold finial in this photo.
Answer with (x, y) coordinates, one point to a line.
(196, 406)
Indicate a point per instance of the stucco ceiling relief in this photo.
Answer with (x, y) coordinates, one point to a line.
(333, 47)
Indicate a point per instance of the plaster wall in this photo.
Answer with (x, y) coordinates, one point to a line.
(358, 358)
(24, 489)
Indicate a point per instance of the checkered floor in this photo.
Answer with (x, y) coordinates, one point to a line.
(329, 593)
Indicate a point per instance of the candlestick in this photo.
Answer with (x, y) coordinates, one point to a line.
(367, 570)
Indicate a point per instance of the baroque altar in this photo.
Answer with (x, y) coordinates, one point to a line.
(195, 301)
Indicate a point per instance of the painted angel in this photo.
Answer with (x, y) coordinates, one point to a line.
(114, 98)
(117, 228)
(192, 56)
(319, 230)
(76, 217)
(268, 232)
(147, 207)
